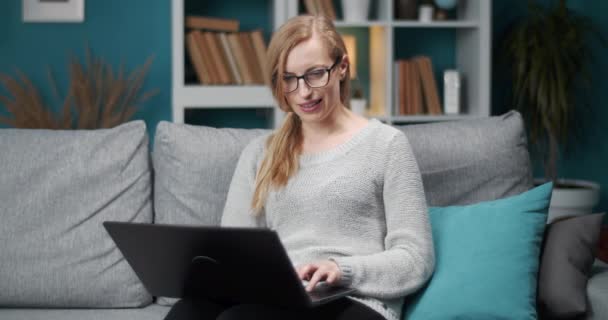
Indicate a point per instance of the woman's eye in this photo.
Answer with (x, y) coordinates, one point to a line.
(316, 73)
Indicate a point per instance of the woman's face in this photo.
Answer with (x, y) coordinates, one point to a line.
(317, 95)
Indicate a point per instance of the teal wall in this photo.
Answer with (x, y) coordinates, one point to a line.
(587, 157)
(116, 30)
(130, 31)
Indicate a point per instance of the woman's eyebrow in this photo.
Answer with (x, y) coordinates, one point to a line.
(313, 67)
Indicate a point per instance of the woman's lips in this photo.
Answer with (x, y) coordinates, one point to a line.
(310, 106)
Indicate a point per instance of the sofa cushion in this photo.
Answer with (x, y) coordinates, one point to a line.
(486, 259)
(461, 162)
(57, 188)
(193, 167)
(151, 312)
(468, 161)
(567, 259)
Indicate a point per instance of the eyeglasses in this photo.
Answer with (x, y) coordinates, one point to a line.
(316, 78)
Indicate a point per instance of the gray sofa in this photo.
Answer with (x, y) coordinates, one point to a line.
(57, 187)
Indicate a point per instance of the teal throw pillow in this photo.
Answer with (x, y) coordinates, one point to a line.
(487, 259)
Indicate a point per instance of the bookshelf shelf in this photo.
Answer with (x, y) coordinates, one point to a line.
(436, 24)
(366, 24)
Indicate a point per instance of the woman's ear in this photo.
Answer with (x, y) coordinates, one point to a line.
(344, 63)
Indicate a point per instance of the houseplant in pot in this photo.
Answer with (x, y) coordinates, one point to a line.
(548, 54)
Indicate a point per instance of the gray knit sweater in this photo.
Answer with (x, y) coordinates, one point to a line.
(360, 204)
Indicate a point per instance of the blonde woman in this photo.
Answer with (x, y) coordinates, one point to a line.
(343, 193)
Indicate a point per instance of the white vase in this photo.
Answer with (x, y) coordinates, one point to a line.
(578, 199)
(355, 10)
(357, 106)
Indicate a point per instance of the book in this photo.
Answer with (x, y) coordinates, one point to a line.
(216, 59)
(429, 86)
(251, 57)
(197, 59)
(403, 86)
(211, 23)
(234, 69)
(203, 47)
(326, 8)
(239, 54)
(257, 39)
(416, 90)
(223, 61)
(311, 6)
(396, 88)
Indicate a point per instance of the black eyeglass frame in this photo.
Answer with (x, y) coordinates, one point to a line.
(328, 70)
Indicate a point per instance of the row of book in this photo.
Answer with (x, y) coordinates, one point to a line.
(223, 55)
(321, 7)
(415, 87)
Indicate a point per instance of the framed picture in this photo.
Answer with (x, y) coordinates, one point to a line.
(53, 10)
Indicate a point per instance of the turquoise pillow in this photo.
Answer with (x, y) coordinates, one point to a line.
(487, 259)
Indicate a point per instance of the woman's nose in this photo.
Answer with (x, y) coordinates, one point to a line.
(303, 88)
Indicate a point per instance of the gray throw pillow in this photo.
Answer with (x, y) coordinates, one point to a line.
(193, 167)
(567, 259)
(470, 161)
(57, 189)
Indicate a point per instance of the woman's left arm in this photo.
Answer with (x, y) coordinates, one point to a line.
(409, 259)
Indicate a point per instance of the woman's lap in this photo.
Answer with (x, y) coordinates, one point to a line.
(200, 309)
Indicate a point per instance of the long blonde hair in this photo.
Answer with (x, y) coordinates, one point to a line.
(284, 146)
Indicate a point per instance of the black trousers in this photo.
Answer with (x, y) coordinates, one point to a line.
(202, 309)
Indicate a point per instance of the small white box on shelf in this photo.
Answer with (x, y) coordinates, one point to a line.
(451, 91)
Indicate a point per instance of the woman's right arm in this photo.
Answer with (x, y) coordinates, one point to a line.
(237, 210)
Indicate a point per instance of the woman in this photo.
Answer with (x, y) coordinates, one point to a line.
(343, 193)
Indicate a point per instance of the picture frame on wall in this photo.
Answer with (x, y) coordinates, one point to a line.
(53, 10)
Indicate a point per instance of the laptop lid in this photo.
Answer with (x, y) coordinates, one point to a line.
(237, 265)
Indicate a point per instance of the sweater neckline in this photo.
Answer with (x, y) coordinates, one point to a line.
(323, 156)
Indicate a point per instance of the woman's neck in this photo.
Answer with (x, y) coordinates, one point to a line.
(332, 131)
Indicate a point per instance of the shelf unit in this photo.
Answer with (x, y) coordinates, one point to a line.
(470, 30)
(192, 96)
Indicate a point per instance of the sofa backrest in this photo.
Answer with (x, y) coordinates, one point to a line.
(57, 188)
(461, 162)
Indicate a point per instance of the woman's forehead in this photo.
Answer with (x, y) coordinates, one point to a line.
(307, 54)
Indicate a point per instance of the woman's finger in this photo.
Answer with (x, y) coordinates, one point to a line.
(319, 275)
(331, 277)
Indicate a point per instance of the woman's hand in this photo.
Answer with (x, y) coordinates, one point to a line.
(323, 270)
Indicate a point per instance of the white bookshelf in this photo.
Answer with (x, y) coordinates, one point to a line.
(192, 96)
(472, 29)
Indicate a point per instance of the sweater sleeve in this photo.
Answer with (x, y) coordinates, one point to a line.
(408, 260)
(237, 210)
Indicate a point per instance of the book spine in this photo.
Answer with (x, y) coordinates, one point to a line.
(197, 59)
(231, 59)
(209, 23)
(259, 45)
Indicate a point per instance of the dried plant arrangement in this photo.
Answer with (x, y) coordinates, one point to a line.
(97, 97)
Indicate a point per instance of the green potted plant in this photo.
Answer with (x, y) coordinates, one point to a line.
(548, 54)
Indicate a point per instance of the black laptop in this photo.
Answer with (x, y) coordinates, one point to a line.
(232, 265)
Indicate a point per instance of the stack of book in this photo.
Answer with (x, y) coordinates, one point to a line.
(223, 55)
(321, 7)
(415, 87)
